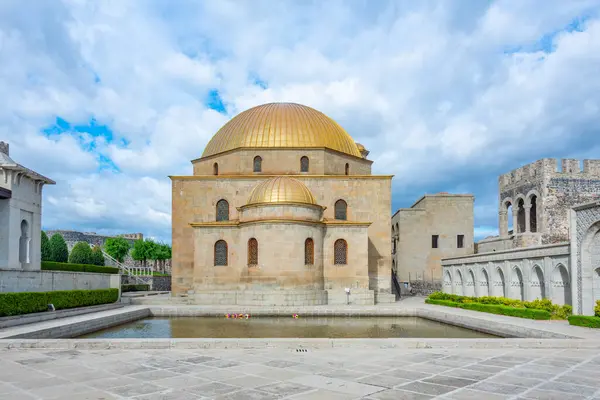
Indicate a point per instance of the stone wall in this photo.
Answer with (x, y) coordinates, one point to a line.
(445, 215)
(195, 198)
(46, 281)
(557, 189)
(161, 283)
(73, 237)
(282, 162)
(424, 288)
(523, 274)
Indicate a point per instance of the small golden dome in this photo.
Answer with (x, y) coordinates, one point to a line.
(277, 125)
(281, 189)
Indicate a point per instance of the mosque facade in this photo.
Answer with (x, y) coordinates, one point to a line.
(282, 209)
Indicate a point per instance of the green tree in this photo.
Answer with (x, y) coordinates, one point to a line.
(97, 256)
(163, 254)
(59, 251)
(81, 254)
(117, 248)
(143, 250)
(46, 252)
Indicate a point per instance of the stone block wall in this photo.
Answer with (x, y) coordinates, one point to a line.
(557, 187)
(541, 272)
(47, 281)
(161, 283)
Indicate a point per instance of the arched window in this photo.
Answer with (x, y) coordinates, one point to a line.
(340, 252)
(222, 210)
(252, 252)
(220, 252)
(24, 243)
(215, 169)
(533, 214)
(309, 252)
(304, 164)
(341, 210)
(257, 164)
(347, 169)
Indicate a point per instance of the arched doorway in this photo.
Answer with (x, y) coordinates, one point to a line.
(470, 284)
(590, 264)
(484, 287)
(561, 291)
(537, 289)
(499, 284)
(458, 284)
(516, 284)
(24, 240)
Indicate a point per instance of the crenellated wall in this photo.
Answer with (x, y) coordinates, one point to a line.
(556, 186)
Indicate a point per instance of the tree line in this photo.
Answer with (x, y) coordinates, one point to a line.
(55, 249)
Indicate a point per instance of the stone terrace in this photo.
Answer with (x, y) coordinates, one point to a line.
(327, 374)
(328, 369)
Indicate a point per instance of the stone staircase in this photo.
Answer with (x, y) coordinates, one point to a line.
(139, 275)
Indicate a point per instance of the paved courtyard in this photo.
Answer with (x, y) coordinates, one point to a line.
(286, 374)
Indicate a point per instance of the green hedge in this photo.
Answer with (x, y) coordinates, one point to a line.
(556, 311)
(585, 320)
(530, 313)
(56, 266)
(31, 302)
(135, 288)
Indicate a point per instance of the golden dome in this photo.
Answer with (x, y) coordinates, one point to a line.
(277, 125)
(281, 189)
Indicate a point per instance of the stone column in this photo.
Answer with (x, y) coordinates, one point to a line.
(527, 218)
(515, 217)
(503, 223)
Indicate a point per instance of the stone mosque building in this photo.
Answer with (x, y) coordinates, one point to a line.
(282, 209)
(553, 248)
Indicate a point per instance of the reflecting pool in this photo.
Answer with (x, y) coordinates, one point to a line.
(286, 327)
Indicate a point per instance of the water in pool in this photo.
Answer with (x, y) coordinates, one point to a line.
(315, 327)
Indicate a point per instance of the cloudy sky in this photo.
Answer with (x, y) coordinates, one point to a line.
(108, 98)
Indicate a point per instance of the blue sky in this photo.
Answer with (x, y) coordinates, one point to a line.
(109, 98)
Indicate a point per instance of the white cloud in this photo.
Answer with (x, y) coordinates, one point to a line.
(428, 87)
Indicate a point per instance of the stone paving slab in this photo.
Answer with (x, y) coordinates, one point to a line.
(237, 374)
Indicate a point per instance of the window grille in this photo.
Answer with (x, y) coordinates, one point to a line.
(341, 210)
(309, 252)
(304, 164)
(252, 252)
(257, 164)
(222, 210)
(220, 253)
(340, 252)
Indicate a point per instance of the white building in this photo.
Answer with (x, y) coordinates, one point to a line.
(20, 214)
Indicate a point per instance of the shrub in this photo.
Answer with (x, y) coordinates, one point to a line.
(555, 310)
(597, 309)
(97, 256)
(135, 288)
(585, 321)
(31, 302)
(54, 266)
(46, 251)
(81, 254)
(58, 249)
(500, 309)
